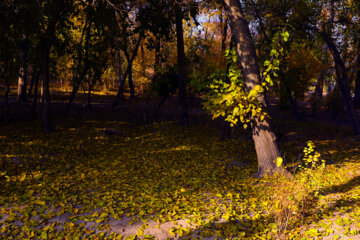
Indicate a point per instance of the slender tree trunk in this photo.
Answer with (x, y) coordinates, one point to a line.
(77, 79)
(121, 86)
(224, 23)
(131, 84)
(157, 53)
(184, 115)
(143, 59)
(226, 130)
(45, 46)
(293, 103)
(33, 73)
(266, 147)
(260, 19)
(341, 74)
(21, 96)
(45, 58)
(6, 102)
(35, 98)
(119, 67)
(75, 89)
(318, 94)
(357, 85)
(91, 86)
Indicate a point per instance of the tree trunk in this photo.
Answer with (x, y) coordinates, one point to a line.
(184, 115)
(45, 58)
(266, 147)
(293, 103)
(143, 67)
(21, 95)
(91, 86)
(131, 84)
(119, 66)
(224, 33)
(157, 53)
(121, 86)
(226, 130)
(341, 75)
(36, 83)
(260, 19)
(77, 79)
(357, 85)
(31, 86)
(45, 46)
(6, 102)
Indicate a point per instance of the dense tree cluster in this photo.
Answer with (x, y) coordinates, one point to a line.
(291, 50)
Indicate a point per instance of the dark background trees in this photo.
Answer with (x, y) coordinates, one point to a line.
(158, 48)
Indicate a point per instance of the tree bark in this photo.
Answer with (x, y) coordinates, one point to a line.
(293, 102)
(131, 84)
(119, 66)
(318, 94)
(32, 81)
(22, 80)
(260, 19)
(45, 58)
(266, 147)
(341, 75)
(357, 85)
(36, 83)
(45, 46)
(184, 115)
(121, 86)
(6, 102)
(77, 79)
(226, 130)
(224, 33)
(157, 53)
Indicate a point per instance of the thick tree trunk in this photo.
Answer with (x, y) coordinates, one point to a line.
(184, 115)
(266, 147)
(45, 58)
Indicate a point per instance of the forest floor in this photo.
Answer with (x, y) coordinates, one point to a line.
(131, 173)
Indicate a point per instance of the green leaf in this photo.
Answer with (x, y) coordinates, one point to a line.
(44, 235)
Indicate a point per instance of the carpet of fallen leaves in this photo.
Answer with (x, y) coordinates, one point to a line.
(106, 179)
